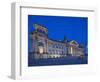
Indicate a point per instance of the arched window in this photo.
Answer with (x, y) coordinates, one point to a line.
(40, 44)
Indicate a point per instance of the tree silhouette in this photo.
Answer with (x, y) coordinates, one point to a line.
(65, 38)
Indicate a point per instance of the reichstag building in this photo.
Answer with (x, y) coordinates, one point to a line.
(44, 47)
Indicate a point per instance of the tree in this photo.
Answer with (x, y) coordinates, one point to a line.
(65, 38)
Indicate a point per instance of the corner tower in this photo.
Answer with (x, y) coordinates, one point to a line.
(39, 41)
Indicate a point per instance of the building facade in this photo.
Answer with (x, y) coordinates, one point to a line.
(44, 47)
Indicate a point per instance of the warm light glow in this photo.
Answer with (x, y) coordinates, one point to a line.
(71, 50)
(40, 50)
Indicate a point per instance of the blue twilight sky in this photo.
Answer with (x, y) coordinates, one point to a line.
(74, 28)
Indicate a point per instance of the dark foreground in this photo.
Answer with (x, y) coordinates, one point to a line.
(57, 61)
